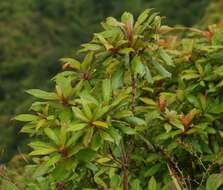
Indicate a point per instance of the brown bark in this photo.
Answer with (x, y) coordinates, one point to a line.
(124, 167)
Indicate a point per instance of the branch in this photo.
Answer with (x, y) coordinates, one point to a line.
(124, 159)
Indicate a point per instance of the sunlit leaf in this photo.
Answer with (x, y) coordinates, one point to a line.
(42, 94)
(26, 117)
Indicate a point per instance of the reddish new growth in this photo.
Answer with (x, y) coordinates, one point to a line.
(129, 33)
(65, 66)
(162, 104)
(168, 41)
(86, 76)
(63, 100)
(60, 186)
(186, 120)
(63, 151)
(208, 34)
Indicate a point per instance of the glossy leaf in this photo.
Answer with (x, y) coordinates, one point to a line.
(26, 117)
(214, 181)
(106, 89)
(52, 135)
(160, 69)
(42, 94)
(76, 126)
(152, 184)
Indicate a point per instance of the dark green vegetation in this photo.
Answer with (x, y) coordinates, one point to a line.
(140, 108)
(213, 13)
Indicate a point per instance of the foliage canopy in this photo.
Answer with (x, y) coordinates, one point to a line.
(141, 110)
(35, 34)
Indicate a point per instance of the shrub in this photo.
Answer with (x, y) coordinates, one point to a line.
(142, 110)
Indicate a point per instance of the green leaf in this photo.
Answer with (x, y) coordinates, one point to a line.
(148, 75)
(89, 99)
(137, 66)
(98, 179)
(216, 108)
(128, 19)
(26, 117)
(106, 89)
(214, 181)
(43, 151)
(106, 136)
(42, 94)
(161, 70)
(163, 136)
(126, 50)
(152, 18)
(41, 170)
(52, 135)
(193, 100)
(103, 160)
(135, 184)
(101, 111)
(54, 159)
(114, 133)
(152, 170)
(177, 123)
(45, 166)
(63, 87)
(136, 121)
(78, 87)
(65, 115)
(102, 124)
(148, 101)
(122, 96)
(142, 18)
(28, 129)
(88, 136)
(166, 58)
(123, 114)
(113, 22)
(76, 126)
(86, 109)
(87, 60)
(220, 84)
(41, 123)
(190, 76)
(96, 142)
(79, 114)
(152, 184)
(63, 135)
(90, 47)
(40, 144)
(152, 157)
(73, 63)
(74, 138)
(117, 79)
(86, 155)
(168, 127)
(104, 42)
(75, 149)
(127, 130)
(188, 44)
